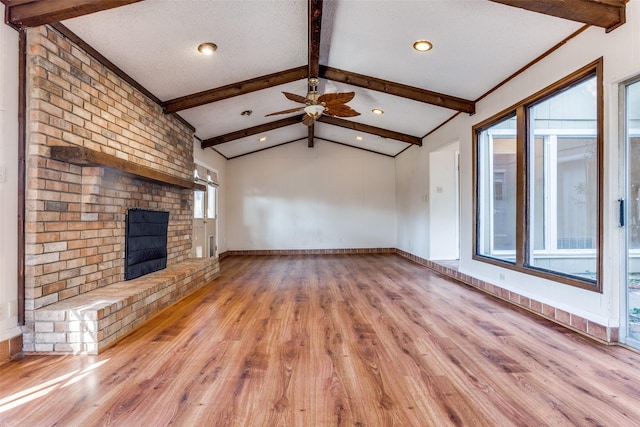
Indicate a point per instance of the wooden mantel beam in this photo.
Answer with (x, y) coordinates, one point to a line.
(32, 13)
(83, 156)
(608, 14)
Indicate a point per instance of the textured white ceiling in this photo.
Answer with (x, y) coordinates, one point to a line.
(155, 41)
(262, 102)
(477, 44)
(369, 142)
(252, 143)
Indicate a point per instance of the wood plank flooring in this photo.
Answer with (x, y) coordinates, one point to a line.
(366, 340)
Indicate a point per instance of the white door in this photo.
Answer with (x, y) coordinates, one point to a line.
(205, 213)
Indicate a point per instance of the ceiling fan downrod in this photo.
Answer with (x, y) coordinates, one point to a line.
(312, 93)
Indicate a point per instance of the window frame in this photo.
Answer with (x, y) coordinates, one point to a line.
(523, 202)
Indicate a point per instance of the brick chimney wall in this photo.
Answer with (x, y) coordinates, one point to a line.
(74, 218)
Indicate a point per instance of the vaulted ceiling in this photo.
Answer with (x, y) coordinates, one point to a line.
(265, 47)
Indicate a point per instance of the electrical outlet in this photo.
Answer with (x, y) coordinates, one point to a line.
(3, 174)
(501, 276)
(1, 311)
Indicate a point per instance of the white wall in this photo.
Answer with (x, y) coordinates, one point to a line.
(443, 203)
(294, 197)
(214, 160)
(621, 52)
(8, 181)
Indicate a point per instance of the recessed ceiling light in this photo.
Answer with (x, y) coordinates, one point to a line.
(207, 48)
(360, 138)
(377, 111)
(422, 45)
(262, 139)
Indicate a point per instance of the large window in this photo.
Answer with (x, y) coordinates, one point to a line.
(538, 182)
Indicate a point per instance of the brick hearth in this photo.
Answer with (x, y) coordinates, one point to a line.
(90, 322)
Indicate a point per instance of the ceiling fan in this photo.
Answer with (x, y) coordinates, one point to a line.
(331, 104)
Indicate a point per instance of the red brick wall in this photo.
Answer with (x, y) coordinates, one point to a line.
(75, 215)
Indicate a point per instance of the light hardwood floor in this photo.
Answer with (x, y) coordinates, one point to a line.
(365, 340)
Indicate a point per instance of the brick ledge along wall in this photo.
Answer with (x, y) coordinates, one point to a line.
(74, 221)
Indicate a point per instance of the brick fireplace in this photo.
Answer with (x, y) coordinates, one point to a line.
(125, 153)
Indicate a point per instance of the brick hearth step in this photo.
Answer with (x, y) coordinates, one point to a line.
(90, 322)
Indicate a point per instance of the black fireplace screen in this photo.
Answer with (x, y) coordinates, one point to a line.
(145, 242)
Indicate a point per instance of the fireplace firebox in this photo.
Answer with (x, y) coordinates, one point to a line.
(145, 242)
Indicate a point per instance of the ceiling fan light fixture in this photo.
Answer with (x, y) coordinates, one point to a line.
(314, 110)
(377, 111)
(331, 104)
(422, 45)
(207, 48)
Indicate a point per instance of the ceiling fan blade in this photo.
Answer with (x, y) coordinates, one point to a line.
(308, 119)
(296, 98)
(340, 110)
(292, 110)
(336, 98)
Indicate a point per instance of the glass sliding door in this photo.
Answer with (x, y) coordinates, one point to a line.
(632, 211)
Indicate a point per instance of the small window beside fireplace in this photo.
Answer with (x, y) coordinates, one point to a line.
(145, 242)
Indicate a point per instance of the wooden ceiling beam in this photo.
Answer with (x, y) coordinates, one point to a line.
(360, 127)
(315, 29)
(310, 136)
(397, 89)
(293, 120)
(235, 89)
(32, 13)
(217, 140)
(608, 14)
